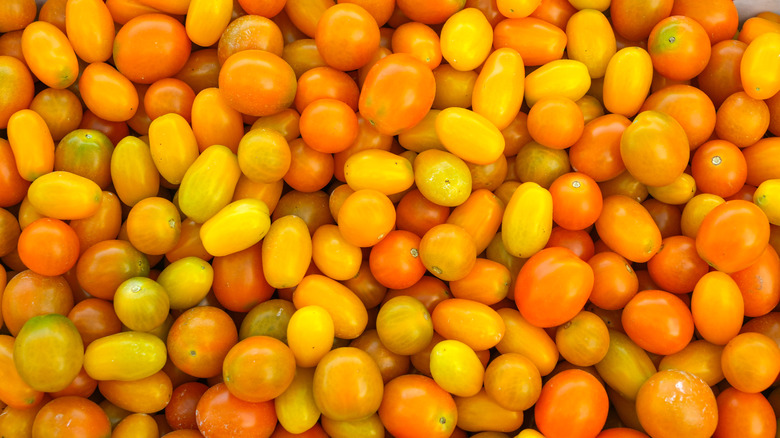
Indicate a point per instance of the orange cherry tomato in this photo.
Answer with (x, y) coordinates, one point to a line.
(658, 321)
(207, 20)
(458, 319)
(358, 376)
(248, 96)
(328, 125)
(61, 109)
(719, 168)
(31, 143)
(49, 55)
(738, 248)
(413, 404)
(107, 93)
(627, 228)
(366, 217)
(577, 201)
(597, 152)
(169, 95)
(250, 32)
(381, 99)
(418, 40)
(744, 413)
(571, 391)
(90, 29)
(749, 361)
(17, 91)
(721, 77)
(48, 247)
(347, 36)
(537, 41)
(151, 47)
(627, 80)
(679, 47)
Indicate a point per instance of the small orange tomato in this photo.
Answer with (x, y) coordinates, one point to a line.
(552, 287)
(328, 125)
(154, 226)
(717, 307)
(64, 195)
(107, 93)
(655, 148)
(90, 29)
(555, 122)
(31, 143)
(258, 368)
(284, 268)
(395, 261)
(252, 32)
(573, 403)
(357, 376)
(628, 229)
(751, 362)
(469, 136)
(345, 308)
(61, 109)
(215, 122)
(418, 40)
(347, 36)
(475, 324)
(584, 340)
(513, 381)
(577, 201)
(50, 55)
(733, 235)
(487, 283)
(448, 252)
(237, 83)
(498, 91)
(382, 100)
(537, 41)
(173, 146)
(366, 217)
(48, 247)
(590, 39)
(480, 215)
(466, 39)
(679, 47)
(658, 321)
(17, 90)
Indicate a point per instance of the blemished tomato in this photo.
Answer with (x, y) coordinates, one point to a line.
(416, 404)
(573, 403)
(552, 287)
(694, 415)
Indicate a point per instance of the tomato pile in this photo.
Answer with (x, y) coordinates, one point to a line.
(368, 218)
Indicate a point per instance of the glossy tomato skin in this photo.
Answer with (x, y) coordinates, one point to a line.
(741, 246)
(381, 99)
(356, 373)
(257, 98)
(553, 287)
(588, 399)
(412, 403)
(151, 47)
(221, 414)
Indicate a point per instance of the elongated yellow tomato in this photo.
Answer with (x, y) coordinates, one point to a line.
(207, 19)
(145, 396)
(64, 195)
(333, 254)
(173, 146)
(760, 66)
(560, 78)
(480, 412)
(48, 352)
(590, 39)
(209, 183)
(31, 143)
(678, 192)
(627, 81)
(718, 307)
(187, 281)
(469, 136)
(527, 221)
(700, 358)
(626, 366)
(422, 136)
(133, 172)
(345, 308)
(214, 121)
(49, 55)
(108, 93)
(90, 29)
(466, 39)
(456, 368)
(767, 197)
(235, 227)
(310, 335)
(125, 356)
(498, 92)
(287, 252)
(380, 170)
(533, 342)
(442, 177)
(295, 408)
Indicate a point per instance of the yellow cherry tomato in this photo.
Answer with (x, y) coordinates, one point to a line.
(590, 39)
(133, 172)
(173, 146)
(466, 39)
(281, 266)
(64, 195)
(442, 177)
(560, 78)
(187, 281)
(678, 192)
(207, 19)
(760, 66)
(627, 81)
(380, 170)
(31, 143)
(498, 91)
(295, 408)
(527, 221)
(235, 227)
(345, 308)
(310, 335)
(209, 183)
(125, 356)
(767, 197)
(469, 136)
(456, 368)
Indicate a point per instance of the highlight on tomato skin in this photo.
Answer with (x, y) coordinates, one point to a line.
(357, 218)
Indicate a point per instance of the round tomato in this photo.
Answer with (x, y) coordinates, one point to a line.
(416, 404)
(573, 403)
